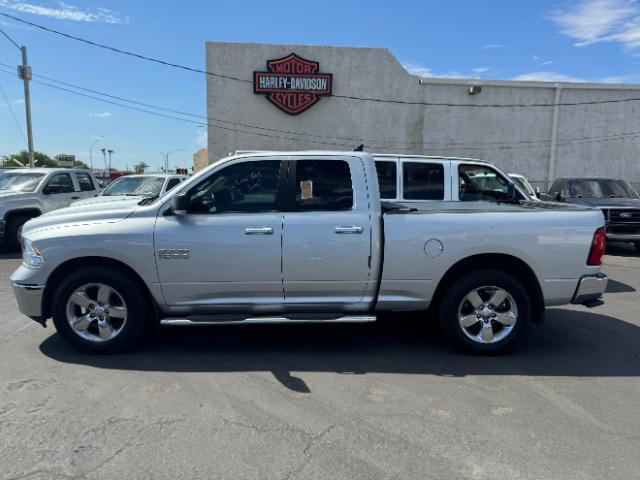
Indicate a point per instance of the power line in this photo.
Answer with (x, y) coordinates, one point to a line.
(346, 97)
(425, 145)
(123, 52)
(9, 38)
(6, 99)
(384, 144)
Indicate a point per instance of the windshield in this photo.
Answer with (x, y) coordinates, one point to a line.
(598, 188)
(142, 186)
(524, 184)
(20, 181)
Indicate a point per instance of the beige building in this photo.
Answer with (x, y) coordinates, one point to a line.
(200, 159)
(540, 129)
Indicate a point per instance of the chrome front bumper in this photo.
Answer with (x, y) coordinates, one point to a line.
(590, 289)
(29, 299)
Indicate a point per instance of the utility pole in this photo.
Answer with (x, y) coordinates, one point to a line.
(24, 72)
(91, 151)
(110, 152)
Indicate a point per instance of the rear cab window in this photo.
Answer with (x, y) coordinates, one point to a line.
(85, 182)
(322, 185)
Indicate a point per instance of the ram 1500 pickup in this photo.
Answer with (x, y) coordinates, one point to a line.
(303, 237)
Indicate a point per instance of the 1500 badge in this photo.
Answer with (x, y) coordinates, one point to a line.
(174, 253)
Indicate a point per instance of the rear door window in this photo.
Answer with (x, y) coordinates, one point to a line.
(61, 182)
(323, 185)
(85, 181)
(422, 181)
(387, 179)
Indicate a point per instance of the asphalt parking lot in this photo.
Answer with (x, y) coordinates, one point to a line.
(389, 400)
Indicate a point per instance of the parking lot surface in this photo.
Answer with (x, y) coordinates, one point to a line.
(389, 400)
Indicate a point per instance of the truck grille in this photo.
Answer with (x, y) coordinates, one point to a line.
(620, 215)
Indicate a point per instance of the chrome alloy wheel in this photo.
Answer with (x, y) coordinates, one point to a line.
(96, 312)
(487, 314)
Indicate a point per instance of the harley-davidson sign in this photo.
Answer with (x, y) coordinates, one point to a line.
(292, 83)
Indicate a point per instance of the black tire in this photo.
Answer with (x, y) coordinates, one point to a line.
(127, 288)
(12, 232)
(452, 301)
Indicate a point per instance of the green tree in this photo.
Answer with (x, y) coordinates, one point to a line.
(40, 160)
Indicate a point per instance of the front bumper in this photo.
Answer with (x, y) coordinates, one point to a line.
(623, 237)
(29, 299)
(590, 289)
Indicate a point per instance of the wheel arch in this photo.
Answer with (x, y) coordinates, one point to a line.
(23, 212)
(504, 263)
(62, 270)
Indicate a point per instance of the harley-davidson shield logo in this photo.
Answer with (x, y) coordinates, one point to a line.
(292, 83)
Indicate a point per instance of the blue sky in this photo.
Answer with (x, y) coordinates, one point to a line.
(574, 40)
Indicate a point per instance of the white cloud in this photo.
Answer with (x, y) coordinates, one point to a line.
(423, 71)
(201, 138)
(595, 21)
(480, 70)
(491, 46)
(101, 114)
(64, 11)
(18, 101)
(547, 76)
(634, 78)
(548, 62)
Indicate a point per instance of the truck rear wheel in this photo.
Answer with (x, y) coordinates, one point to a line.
(99, 310)
(485, 311)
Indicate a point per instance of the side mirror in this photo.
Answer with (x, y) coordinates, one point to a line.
(537, 192)
(511, 191)
(558, 196)
(180, 203)
(49, 189)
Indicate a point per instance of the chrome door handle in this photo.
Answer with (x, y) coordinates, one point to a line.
(347, 230)
(258, 231)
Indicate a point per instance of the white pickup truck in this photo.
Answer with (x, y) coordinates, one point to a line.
(29, 192)
(303, 237)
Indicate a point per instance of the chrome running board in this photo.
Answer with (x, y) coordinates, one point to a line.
(266, 320)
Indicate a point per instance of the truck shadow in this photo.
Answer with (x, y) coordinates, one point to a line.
(571, 343)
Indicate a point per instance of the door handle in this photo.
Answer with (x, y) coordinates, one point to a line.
(258, 231)
(75, 198)
(346, 230)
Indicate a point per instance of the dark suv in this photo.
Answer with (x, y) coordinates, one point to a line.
(617, 200)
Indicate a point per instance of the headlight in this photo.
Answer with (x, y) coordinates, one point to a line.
(31, 256)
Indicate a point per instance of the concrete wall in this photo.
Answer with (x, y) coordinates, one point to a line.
(589, 140)
(200, 159)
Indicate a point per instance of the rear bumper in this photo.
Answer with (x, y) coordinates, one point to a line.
(590, 289)
(29, 299)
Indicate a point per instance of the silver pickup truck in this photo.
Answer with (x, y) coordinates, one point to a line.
(29, 192)
(303, 237)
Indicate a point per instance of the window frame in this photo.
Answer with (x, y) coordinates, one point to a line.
(280, 187)
(291, 189)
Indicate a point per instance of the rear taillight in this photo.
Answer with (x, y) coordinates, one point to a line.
(597, 248)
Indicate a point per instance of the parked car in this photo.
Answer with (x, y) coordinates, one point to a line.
(619, 203)
(417, 179)
(521, 180)
(303, 237)
(29, 192)
(149, 186)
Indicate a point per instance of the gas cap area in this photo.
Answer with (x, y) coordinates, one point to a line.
(433, 248)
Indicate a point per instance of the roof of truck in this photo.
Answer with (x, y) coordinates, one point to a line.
(252, 153)
(43, 170)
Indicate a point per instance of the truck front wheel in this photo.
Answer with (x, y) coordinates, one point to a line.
(99, 310)
(485, 311)
(12, 233)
